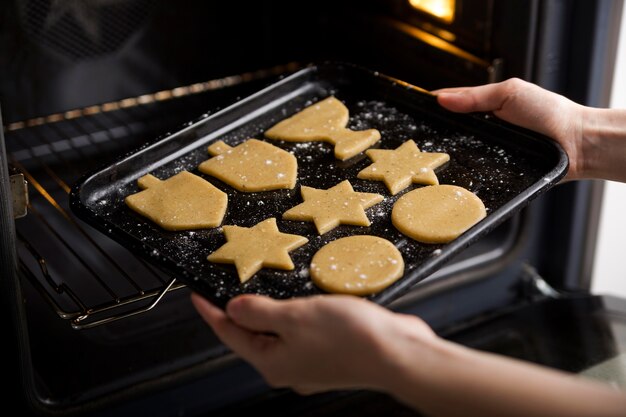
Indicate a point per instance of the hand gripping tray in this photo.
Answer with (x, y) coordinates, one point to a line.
(504, 165)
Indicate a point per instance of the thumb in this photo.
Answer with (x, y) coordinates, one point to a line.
(257, 313)
(250, 345)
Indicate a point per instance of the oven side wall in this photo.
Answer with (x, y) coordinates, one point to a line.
(574, 57)
(16, 373)
(608, 272)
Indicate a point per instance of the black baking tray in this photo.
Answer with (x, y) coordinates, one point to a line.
(504, 165)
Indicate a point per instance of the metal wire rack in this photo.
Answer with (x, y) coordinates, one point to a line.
(87, 278)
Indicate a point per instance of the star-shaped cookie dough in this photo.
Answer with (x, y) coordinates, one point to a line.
(399, 167)
(330, 208)
(252, 248)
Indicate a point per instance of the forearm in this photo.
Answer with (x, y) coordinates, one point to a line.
(452, 380)
(604, 143)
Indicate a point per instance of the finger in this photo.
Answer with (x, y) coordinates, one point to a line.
(209, 312)
(490, 97)
(246, 343)
(515, 101)
(258, 313)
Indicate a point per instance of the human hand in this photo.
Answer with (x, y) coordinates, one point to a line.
(342, 342)
(317, 343)
(529, 106)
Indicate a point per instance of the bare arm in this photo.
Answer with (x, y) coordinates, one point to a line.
(594, 139)
(340, 342)
(461, 379)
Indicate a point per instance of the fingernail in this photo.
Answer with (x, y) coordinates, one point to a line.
(448, 94)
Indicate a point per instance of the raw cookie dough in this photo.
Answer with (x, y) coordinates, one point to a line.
(400, 167)
(251, 166)
(182, 202)
(252, 248)
(325, 121)
(330, 208)
(358, 265)
(437, 214)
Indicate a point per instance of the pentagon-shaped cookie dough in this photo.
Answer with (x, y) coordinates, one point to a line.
(358, 265)
(251, 166)
(325, 121)
(253, 248)
(330, 208)
(182, 202)
(400, 167)
(437, 214)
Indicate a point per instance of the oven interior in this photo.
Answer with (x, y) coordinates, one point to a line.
(101, 331)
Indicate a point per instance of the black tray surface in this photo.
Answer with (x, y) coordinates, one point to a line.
(504, 165)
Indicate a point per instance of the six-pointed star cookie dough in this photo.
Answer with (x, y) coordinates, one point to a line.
(325, 121)
(330, 208)
(400, 167)
(252, 248)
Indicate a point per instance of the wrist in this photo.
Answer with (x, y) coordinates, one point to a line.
(603, 144)
(411, 363)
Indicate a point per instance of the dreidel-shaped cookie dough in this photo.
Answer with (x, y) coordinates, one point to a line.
(182, 202)
(325, 121)
(251, 166)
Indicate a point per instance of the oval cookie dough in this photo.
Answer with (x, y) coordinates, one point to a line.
(358, 265)
(437, 214)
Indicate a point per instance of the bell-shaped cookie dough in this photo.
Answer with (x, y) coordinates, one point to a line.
(251, 166)
(325, 121)
(182, 202)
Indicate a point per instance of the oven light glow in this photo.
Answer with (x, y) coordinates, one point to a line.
(443, 9)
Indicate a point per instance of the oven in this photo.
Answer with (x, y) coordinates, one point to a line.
(94, 330)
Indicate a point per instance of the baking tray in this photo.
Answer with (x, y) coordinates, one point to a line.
(504, 165)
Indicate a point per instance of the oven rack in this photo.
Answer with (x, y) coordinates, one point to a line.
(87, 278)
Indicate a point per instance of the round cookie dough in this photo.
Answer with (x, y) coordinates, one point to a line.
(437, 214)
(358, 265)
